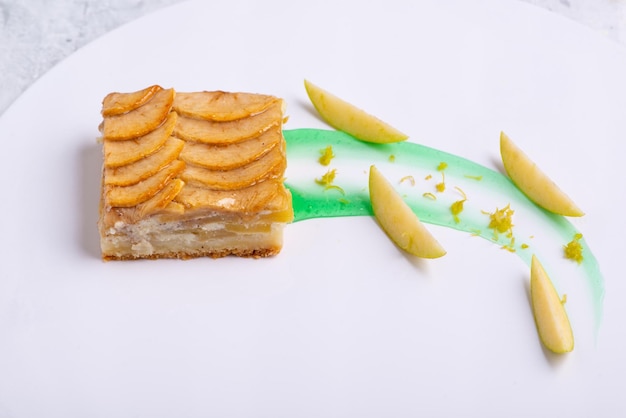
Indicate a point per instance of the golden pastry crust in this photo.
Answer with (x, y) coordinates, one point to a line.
(254, 253)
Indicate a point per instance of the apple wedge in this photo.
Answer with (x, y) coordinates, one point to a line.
(346, 117)
(551, 319)
(533, 182)
(398, 220)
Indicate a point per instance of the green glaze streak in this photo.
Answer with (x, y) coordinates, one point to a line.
(311, 200)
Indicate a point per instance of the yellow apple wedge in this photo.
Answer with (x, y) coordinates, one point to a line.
(348, 118)
(553, 326)
(533, 182)
(398, 220)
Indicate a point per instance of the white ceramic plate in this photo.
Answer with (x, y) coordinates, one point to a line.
(340, 323)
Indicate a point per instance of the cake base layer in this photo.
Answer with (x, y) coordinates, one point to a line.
(150, 240)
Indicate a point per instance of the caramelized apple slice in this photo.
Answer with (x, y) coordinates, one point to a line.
(223, 133)
(173, 211)
(119, 153)
(221, 106)
(162, 203)
(226, 157)
(140, 121)
(173, 208)
(272, 165)
(161, 200)
(249, 200)
(279, 208)
(118, 103)
(146, 167)
(127, 196)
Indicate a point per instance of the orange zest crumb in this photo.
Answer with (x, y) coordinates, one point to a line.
(410, 179)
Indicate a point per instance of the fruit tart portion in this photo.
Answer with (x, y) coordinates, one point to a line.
(192, 174)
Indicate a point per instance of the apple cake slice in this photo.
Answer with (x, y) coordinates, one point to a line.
(192, 174)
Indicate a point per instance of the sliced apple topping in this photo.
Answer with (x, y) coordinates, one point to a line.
(219, 157)
(249, 199)
(348, 118)
(144, 168)
(127, 196)
(272, 165)
(233, 143)
(119, 153)
(173, 208)
(119, 103)
(220, 106)
(223, 133)
(162, 199)
(553, 326)
(533, 182)
(398, 220)
(278, 208)
(140, 121)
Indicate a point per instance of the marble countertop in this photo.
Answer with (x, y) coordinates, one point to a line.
(37, 34)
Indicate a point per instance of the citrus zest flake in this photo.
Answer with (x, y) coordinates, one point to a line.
(457, 207)
(510, 247)
(441, 187)
(335, 187)
(327, 181)
(574, 250)
(328, 178)
(326, 155)
(501, 221)
(410, 179)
